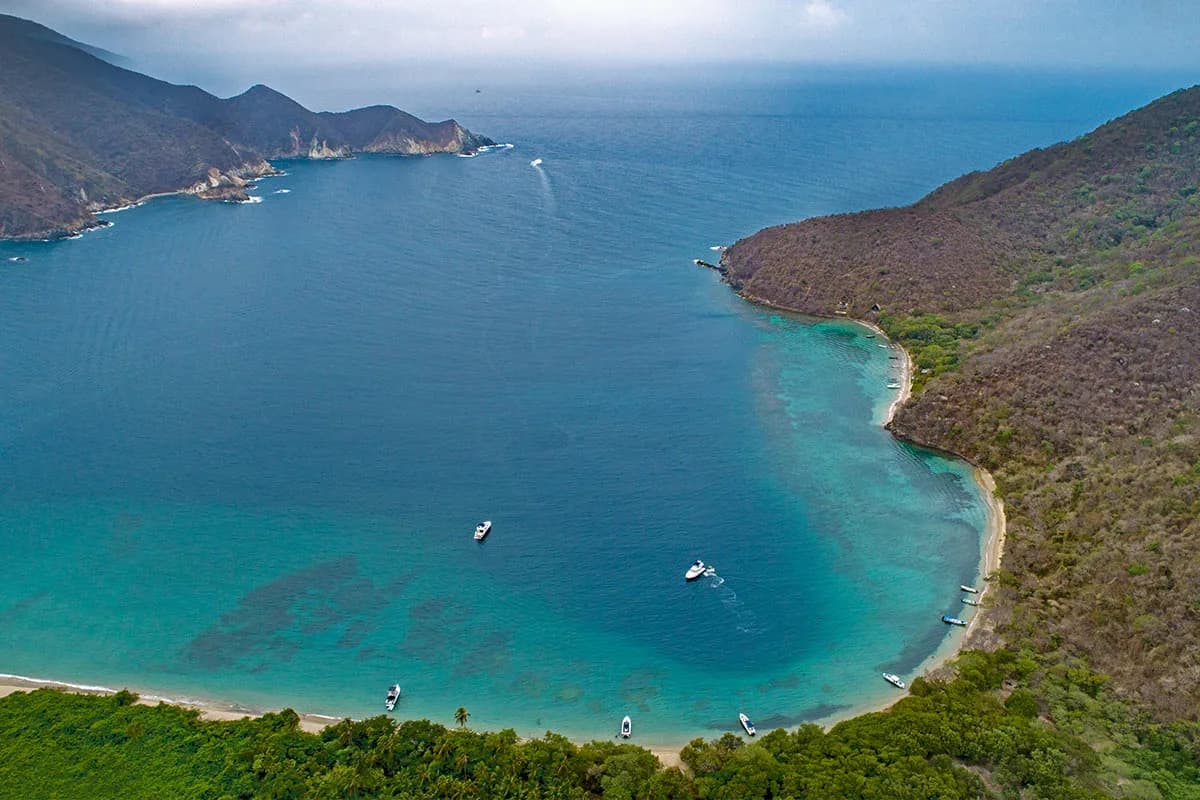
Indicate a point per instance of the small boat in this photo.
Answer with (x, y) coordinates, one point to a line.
(537, 162)
(893, 385)
(870, 336)
(949, 620)
(970, 589)
(626, 727)
(747, 724)
(482, 530)
(971, 601)
(392, 696)
(18, 259)
(894, 680)
(695, 570)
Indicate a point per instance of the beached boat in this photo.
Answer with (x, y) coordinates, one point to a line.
(747, 724)
(695, 570)
(392, 696)
(626, 727)
(482, 530)
(949, 620)
(971, 601)
(894, 680)
(970, 589)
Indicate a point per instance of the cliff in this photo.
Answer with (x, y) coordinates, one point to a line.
(79, 134)
(1051, 306)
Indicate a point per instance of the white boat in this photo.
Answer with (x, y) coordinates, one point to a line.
(482, 530)
(392, 696)
(894, 680)
(537, 162)
(747, 724)
(626, 727)
(893, 385)
(970, 589)
(695, 570)
(971, 601)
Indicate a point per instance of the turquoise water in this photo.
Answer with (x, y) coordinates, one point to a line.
(243, 447)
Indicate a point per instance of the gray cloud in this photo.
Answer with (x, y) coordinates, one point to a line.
(241, 39)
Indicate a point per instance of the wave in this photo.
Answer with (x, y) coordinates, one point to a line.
(251, 199)
(487, 148)
(466, 155)
(717, 248)
(125, 207)
(84, 687)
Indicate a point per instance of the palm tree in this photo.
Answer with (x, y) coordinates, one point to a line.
(461, 716)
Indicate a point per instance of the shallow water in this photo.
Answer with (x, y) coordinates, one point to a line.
(243, 447)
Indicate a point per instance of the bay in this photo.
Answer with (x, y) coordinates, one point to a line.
(243, 447)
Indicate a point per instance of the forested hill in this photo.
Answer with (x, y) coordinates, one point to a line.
(1052, 305)
(78, 134)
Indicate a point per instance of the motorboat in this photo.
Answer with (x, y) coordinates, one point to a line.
(482, 530)
(695, 570)
(537, 162)
(392, 696)
(949, 620)
(626, 727)
(970, 589)
(894, 680)
(893, 385)
(747, 724)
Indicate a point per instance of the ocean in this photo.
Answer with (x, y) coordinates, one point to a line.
(243, 448)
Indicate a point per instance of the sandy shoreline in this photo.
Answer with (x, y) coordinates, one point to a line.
(667, 752)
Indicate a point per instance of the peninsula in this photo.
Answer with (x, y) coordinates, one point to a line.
(79, 134)
(1050, 306)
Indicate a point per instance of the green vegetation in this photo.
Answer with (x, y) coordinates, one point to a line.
(1009, 726)
(931, 341)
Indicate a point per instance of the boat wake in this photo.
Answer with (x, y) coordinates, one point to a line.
(282, 191)
(747, 621)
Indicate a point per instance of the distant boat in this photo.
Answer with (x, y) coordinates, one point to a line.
(949, 620)
(970, 601)
(626, 727)
(893, 385)
(894, 680)
(870, 336)
(747, 724)
(970, 589)
(482, 530)
(537, 162)
(392, 696)
(695, 570)
(18, 259)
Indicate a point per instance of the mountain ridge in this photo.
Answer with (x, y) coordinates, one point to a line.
(81, 135)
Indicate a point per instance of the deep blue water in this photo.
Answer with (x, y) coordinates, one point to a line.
(243, 447)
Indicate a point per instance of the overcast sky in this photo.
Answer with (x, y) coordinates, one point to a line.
(239, 39)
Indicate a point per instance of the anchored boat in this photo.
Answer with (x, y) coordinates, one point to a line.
(949, 620)
(392, 696)
(894, 680)
(482, 530)
(970, 589)
(626, 727)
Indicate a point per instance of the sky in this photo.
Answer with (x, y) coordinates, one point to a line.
(233, 41)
